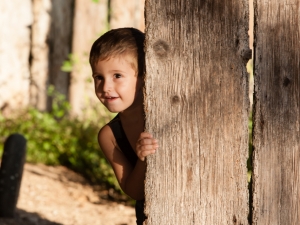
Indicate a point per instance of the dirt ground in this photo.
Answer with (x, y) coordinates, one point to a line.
(58, 196)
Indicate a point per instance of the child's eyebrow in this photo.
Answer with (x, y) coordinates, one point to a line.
(96, 73)
(119, 71)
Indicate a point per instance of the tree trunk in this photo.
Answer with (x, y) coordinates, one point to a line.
(276, 141)
(59, 42)
(39, 69)
(90, 20)
(51, 44)
(196, 104)
(15, 22)
(128, 13)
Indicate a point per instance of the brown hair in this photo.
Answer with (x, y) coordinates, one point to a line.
(117, 42)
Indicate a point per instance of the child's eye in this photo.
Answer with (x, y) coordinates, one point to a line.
(117, 75)
(98, 77)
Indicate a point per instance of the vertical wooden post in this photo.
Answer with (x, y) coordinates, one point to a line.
(196, 104)
(276, 176)
(11, 171)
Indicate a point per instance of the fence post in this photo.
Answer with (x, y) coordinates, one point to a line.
(11, 173)
(196, 104)
(276, 137)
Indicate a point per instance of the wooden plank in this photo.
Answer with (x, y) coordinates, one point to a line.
(196, 104)
(276, 183)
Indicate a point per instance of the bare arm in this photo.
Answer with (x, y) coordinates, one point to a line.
(131, 179)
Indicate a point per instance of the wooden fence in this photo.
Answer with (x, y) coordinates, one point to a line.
(196, 104)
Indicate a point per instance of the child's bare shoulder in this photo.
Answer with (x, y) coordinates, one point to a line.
(106, 137)
(105, 132)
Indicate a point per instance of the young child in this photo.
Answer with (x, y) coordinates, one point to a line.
(117, 61)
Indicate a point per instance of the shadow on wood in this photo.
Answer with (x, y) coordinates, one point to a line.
(11, 173)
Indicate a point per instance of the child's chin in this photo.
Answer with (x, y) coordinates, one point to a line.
(113, 110)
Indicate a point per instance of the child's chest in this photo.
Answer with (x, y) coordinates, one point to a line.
(133, 132)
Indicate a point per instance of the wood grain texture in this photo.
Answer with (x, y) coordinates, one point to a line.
(196, 104)
(276, 183)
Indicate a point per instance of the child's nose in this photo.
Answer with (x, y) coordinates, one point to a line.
(107, 86)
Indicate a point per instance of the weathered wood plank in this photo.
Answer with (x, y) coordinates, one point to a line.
(276, 183)
(196, 104)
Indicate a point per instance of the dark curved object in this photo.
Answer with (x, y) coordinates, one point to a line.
(11, 171)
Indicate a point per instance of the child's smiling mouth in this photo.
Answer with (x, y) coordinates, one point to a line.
(110, 98)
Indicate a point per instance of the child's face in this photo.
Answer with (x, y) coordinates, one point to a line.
(117, 85)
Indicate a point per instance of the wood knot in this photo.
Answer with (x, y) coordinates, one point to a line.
(286, 82)
(175, 99)
(234, 220)
(246, 54)
(161, 48)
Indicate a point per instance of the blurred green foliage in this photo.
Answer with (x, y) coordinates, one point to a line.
(68, 65)
(55, 138)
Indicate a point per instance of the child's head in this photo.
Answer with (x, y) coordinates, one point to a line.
(118, 42)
